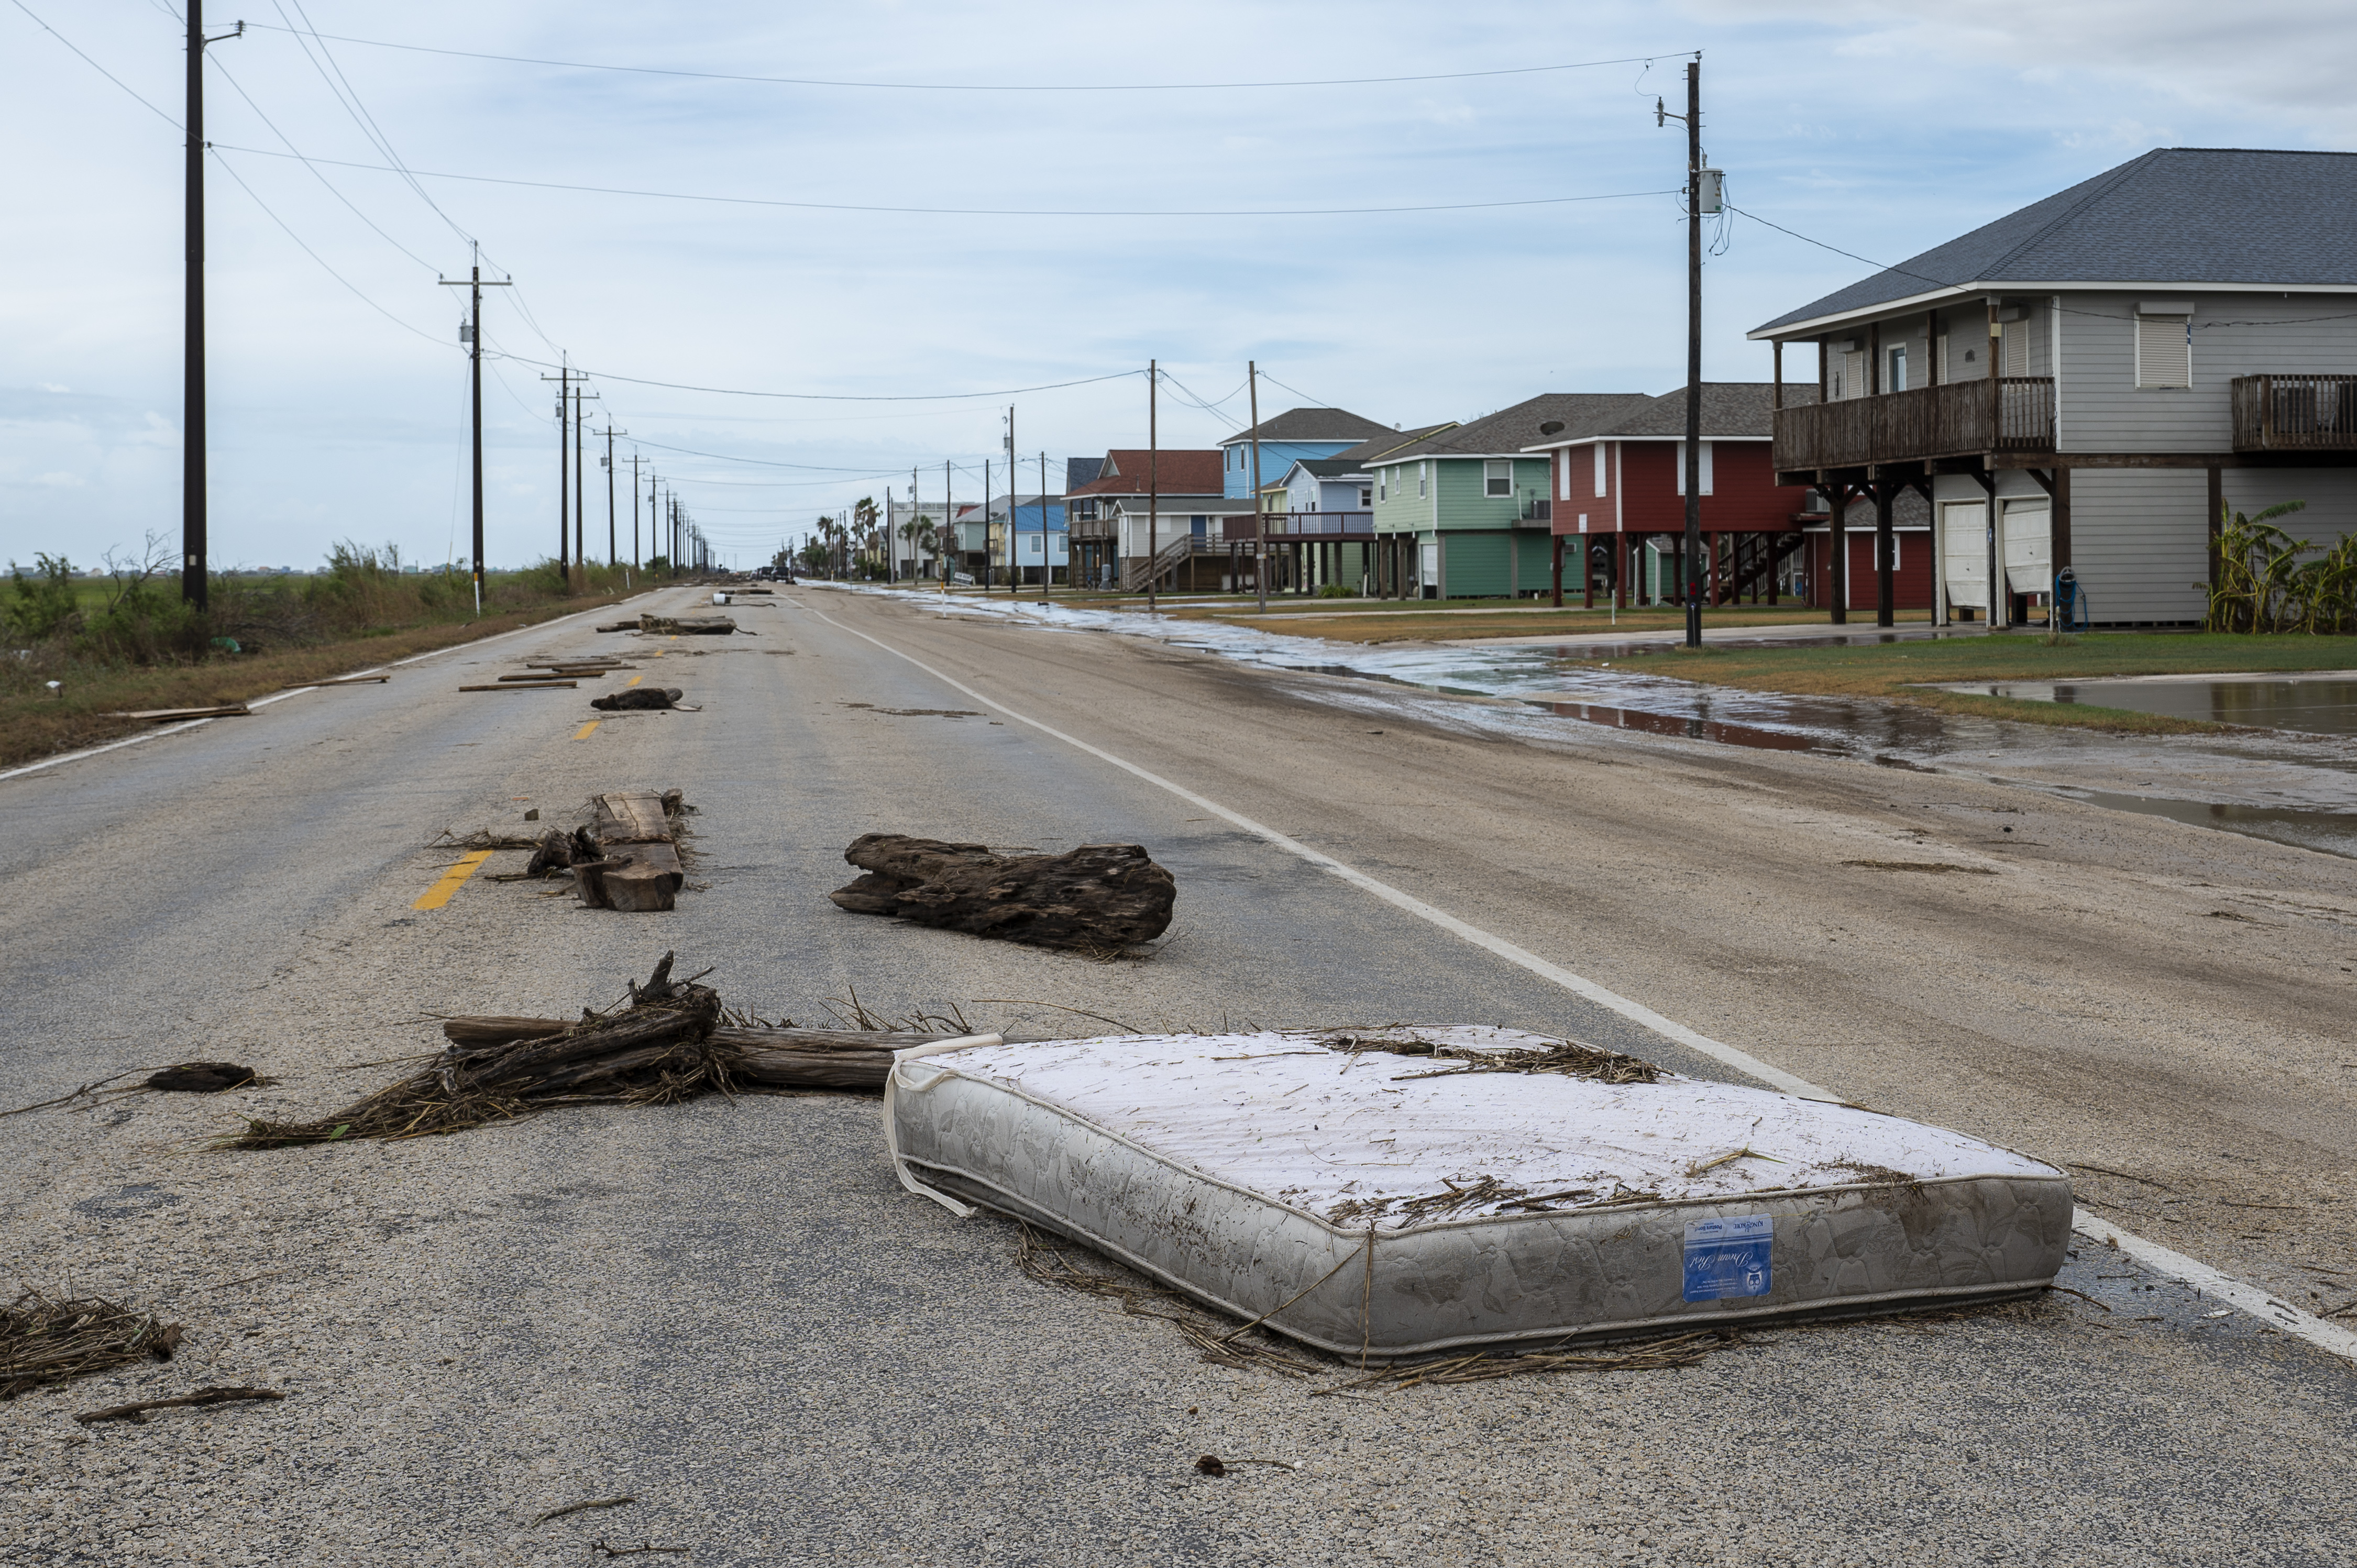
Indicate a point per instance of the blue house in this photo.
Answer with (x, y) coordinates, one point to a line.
(1041, 537)
(1288, 438)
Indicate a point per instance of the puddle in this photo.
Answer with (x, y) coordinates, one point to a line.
(2298, 786)
(2319, 702)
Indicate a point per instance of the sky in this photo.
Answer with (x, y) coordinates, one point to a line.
(791, 291)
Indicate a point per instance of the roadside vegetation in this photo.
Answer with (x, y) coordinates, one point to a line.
(1904, 671)
(76, 649)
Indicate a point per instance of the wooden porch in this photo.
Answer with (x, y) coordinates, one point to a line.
(1956, 419)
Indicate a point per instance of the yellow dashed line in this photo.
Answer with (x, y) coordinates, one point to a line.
(583, 732)
(635, 679)
(452, 879)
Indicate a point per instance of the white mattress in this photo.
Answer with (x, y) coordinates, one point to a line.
(1364, 1206)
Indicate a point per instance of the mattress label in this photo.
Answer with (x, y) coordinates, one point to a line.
(1727, 1257)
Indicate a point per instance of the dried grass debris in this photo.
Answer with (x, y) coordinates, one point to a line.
(1570, 1058)
(55, 1339)
(136, 1411)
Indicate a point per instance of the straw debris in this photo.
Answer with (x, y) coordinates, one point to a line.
(1571, 1059)
(53, 1340)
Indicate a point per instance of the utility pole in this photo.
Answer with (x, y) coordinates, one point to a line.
(192, 314)
(1153, 477)
(1694, 197)
(949, 506)
(635, 563)
(1047, 557)
(563, 379)
(472, 333)
(580, 481)
(1260, 518)
(613, 557)
(985, 525)
(1014, 515)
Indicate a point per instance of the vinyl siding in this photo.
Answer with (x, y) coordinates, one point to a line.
(2103, 410)
(2140, 542)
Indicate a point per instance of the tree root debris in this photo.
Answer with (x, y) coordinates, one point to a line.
(137, 1411)
(581, 1508)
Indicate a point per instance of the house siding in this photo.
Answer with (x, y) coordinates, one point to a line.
(1275, 458)
(2103, 410)
(2140, 542)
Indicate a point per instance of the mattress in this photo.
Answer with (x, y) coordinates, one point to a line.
(1398, 1193)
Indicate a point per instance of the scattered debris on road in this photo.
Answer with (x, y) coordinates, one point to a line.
(1097, 898)
(338, 681)
(620, 626)
(205, 1078)
(687, 626)
(51, 1339)
(137, 1411)
(173, 715)
(505, 685)
(637, 867)
(580, 1508)
(670, 1042)
(638, 699)
(1930, 868)
(1573, 1059)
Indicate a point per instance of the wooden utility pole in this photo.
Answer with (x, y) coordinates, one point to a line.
(1014, 514)
(1694, 352)
(1260, 518)
(636, 564)
(192, 320)
(1153, 480)
(563, 379)
(473, 283)
(1047, 557)
(985, 525)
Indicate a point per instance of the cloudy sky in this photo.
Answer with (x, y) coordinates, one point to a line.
(873, 205)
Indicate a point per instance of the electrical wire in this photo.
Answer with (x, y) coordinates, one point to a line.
(307, 164)
(98, 67)
(988, 87)
(340, 86)
(833, 397)
(982, 211)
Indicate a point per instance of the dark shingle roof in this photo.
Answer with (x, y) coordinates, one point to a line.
(1079, 471)
(1180, 472)
(1310, 424)
(2177, 215)
(1728, 409)
(1325, 468)
(1366, 452)
(1513, 429)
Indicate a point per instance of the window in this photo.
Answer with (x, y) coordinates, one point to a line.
(1600, 484)
(1895, 377)
(2164, 350)
(1678, 453)
(1384, 484)
(1562, 474)
(1497, 477)
(1850, 379)
(1366, 497)
(1421, 477)
(2014, 347)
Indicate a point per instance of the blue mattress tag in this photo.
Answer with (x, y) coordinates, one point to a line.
(1727, 1257)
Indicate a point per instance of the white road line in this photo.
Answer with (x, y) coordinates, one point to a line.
(2268, 1309)
(298, 691)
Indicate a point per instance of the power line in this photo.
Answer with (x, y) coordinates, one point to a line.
(341, 87)
(989, 87)
(839, 397)
(98, 67)
(983, 211)
(230, 169)
(215, 62)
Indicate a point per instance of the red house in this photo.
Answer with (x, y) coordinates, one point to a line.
(1618, 505)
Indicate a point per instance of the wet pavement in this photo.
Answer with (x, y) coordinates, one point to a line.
(2312, 702)
(2296, 786)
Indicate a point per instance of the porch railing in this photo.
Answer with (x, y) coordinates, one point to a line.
(1958, 419)
(2295, 413)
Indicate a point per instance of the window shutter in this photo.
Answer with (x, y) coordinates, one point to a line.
(2014, 347)
(1601, 487)
(2164, 351)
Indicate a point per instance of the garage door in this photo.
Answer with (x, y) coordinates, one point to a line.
(1964, 532)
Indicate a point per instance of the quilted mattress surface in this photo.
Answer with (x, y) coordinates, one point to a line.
(1367, 1199)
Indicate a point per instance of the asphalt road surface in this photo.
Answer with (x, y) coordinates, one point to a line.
(733, 1317)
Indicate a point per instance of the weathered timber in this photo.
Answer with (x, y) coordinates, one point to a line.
(638, 867)
(687, 626)
(527, 686)
(620, 626)
(763, 1059)
(1101, 897)
(169, 715)
(638, 698)
(202, 1078)
(567, 674)
(339, 681)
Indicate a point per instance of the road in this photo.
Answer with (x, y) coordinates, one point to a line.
(732, 1314)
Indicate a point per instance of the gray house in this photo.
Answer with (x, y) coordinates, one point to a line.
(2082, 384)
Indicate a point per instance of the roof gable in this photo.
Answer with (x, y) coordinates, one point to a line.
(1510, 430)
(1311, 424)
(2175, 216)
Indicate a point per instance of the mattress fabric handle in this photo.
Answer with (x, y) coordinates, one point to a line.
(891, 1124)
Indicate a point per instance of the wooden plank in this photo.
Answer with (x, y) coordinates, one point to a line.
(167, 715)
(531, 680)
(338, 681)
(529, 686)
(630, 816)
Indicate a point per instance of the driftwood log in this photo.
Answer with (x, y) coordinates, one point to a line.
(637, 698)
(687, 626)
(1098, 898)
(761, 1058)
(638, 866)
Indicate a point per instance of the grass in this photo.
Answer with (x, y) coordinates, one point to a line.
(34, 725)
(1902, 672)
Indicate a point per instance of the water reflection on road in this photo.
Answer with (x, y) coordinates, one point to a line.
(2291, 786)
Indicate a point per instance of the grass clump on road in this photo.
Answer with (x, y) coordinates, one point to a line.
(1906, 672)
(125, 641)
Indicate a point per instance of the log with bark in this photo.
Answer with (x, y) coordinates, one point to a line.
(638, 865)
(667, 1044)
(687, 626)
(1099, 898)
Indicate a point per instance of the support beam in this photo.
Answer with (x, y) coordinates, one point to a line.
(1837, 553)
(1885, 598)
(2217, 521)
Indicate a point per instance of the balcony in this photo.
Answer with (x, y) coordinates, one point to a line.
(1958, 419)
(2295, 413)
(1301, 525)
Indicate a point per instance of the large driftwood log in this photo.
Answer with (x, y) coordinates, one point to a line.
(759, 1058)
(637, 868)
(638, 698)
(1102, 896)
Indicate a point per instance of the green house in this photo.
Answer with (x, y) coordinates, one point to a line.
(1463, 513)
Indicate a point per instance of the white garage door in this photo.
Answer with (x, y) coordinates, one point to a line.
(1963, 528)
(2030, 547)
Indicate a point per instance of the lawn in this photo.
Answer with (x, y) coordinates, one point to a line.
(1903, 670)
